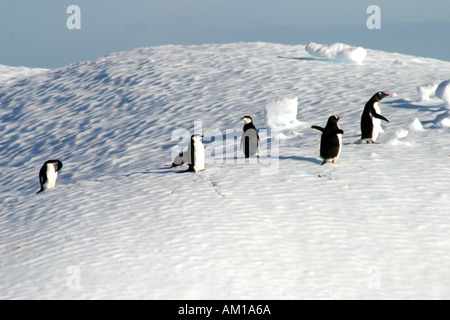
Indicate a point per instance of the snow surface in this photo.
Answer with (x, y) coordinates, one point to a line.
(337, 51)
(120, 224)
(11, 74)
(443, 91)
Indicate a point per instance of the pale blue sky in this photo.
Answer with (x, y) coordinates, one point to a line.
(34, 33)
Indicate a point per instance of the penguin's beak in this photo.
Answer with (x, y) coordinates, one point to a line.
(387, 94)
(339, 118)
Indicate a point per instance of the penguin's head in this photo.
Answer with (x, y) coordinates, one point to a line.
(247, 119)
(57, 164)
(380, 95)
(197, 137)
(333, 119)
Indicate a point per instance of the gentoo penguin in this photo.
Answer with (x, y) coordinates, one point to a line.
(48, 174)
(371, 119)
(331, 140)
(250, 139)
(196, 153)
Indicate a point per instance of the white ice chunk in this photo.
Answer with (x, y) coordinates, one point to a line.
(337, 51)
(282, 113)
(443, 91)
(416, 125)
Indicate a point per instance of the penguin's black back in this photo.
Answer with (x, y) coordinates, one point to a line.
(191, 163)
(249, 126)
(329, 142)
(368, 112)
(366, 120)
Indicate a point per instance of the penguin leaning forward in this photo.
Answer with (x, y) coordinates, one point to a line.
(48, 174)
(331, 140)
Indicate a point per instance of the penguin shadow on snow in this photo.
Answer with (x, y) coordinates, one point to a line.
(439, 109)
(405, 104)
(298, 158)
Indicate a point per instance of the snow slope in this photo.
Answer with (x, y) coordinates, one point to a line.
(11, 74)
(120, 224)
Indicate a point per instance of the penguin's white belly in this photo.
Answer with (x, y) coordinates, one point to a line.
(51, 177)
(376, 128)
(340, 145)
(199, 156)
(376, 123)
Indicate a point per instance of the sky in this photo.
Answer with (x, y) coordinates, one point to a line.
(35, 33)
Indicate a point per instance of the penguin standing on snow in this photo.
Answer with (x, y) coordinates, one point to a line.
(331, 140)
(371, 119)
(196, 153)
(194, 156)
(48, 174)
(250, 139)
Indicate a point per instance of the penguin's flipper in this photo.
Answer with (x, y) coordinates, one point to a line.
(318, 128)
(379, 116)
(42, 189)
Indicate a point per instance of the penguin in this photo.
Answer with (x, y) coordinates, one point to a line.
(331, 140)
(371, 119)
(48, 174)
(195, 146)
(196, 154)
(250, 142)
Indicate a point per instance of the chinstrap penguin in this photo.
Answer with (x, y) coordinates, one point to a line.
(48, 174)
(331, 140)
(250, 142)
(194, 157)
(371, 119)
(196, 153)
